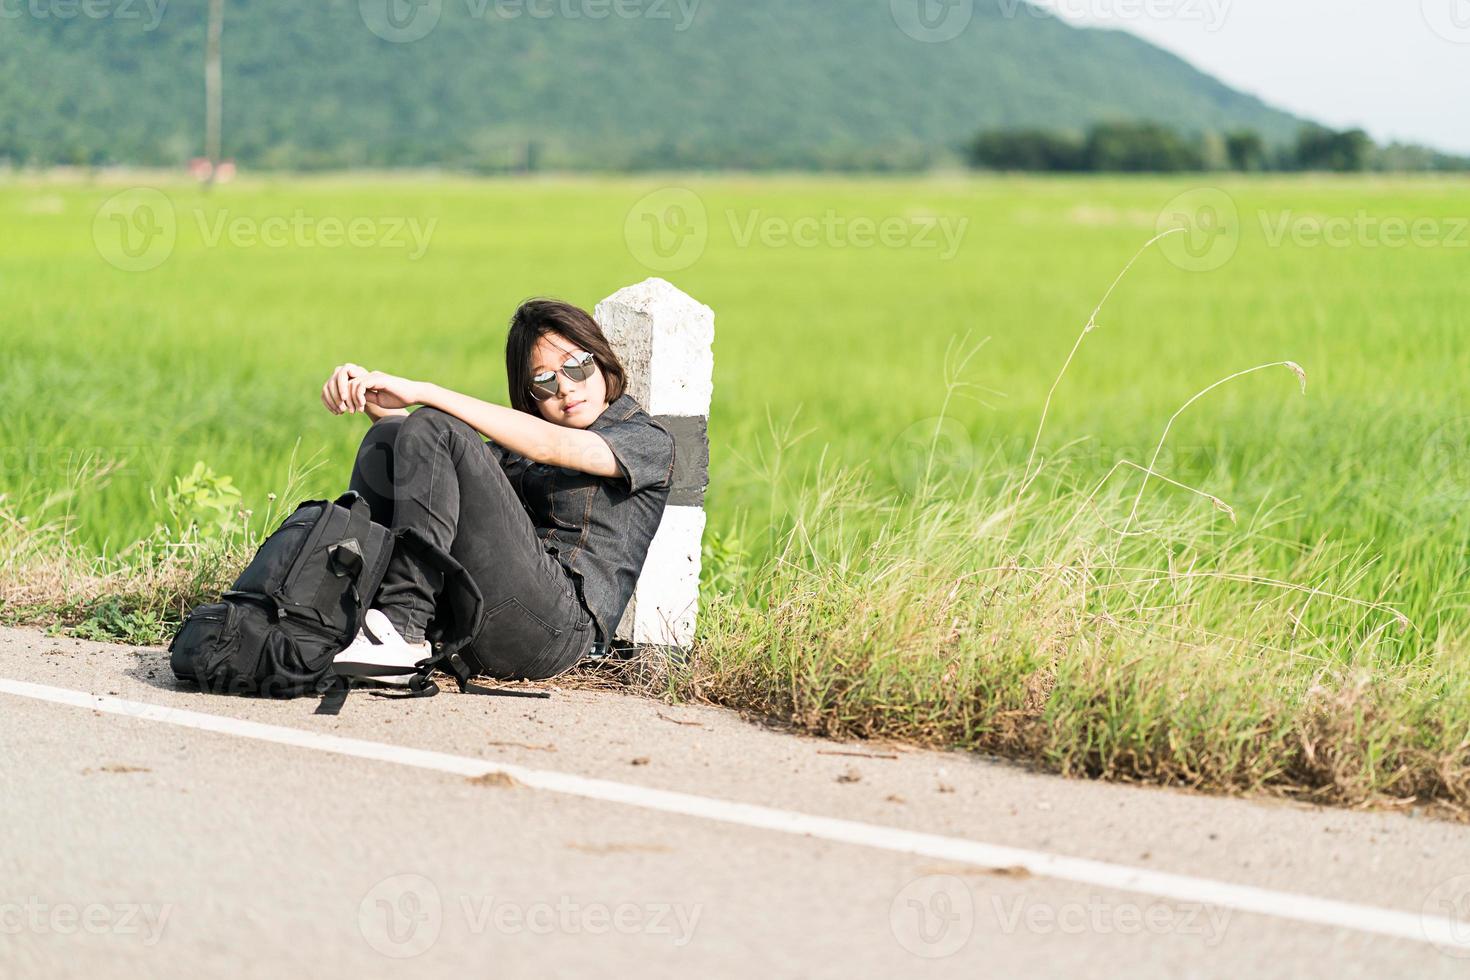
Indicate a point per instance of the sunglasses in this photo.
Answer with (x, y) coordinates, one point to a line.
(547, 384)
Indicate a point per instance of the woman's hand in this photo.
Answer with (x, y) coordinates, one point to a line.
(353, 388)
(382, 390)
(337, 390)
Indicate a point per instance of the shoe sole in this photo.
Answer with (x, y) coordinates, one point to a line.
(370, 672)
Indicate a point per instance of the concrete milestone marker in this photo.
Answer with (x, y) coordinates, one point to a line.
(665, 340)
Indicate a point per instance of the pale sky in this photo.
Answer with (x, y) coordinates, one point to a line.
(1399, 69)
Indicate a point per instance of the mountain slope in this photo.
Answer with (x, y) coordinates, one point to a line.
(740, 83)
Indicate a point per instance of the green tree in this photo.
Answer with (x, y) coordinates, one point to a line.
(1319, 148)
(1140, 148)
(1246, 150)
(1026, 149)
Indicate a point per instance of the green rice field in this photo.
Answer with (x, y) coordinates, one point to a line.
(894, 551)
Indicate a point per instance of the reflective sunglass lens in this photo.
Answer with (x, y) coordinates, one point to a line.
(582, 370)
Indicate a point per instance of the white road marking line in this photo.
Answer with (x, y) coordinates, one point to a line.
(1244, 898)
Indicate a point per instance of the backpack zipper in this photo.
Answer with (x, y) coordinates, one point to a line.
(311, 625)
(283, 612)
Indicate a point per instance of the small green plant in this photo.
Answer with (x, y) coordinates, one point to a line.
(204, 500)
(109, 621)
(722, 563)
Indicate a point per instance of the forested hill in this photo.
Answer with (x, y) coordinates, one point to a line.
(578, 83)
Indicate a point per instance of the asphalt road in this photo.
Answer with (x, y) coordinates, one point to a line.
(158, 832)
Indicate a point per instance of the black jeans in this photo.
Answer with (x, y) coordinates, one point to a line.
(433, 471)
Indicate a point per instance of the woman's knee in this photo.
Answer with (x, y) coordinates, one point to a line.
(431, 423)
(372, 470)
(376, 449)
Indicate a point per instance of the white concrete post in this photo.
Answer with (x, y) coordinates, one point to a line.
(664, 339)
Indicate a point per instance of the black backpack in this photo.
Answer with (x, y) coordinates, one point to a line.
(302, 601)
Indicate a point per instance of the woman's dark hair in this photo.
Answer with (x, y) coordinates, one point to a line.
(538, 317)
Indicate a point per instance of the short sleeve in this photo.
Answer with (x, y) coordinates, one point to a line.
(644, 451)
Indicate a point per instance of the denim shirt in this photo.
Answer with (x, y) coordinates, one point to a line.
(599, 528)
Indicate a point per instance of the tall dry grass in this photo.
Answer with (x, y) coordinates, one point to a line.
(1101, 630)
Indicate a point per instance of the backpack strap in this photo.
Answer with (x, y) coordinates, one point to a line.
(449, 661)
(334, 695)
(347, 558)
(460, 603)
(359, 523)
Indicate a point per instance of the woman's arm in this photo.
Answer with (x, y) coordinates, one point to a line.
(534, 438)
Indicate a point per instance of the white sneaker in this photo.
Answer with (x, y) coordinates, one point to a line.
(378, 646)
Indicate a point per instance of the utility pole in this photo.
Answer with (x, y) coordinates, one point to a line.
(213, 81)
